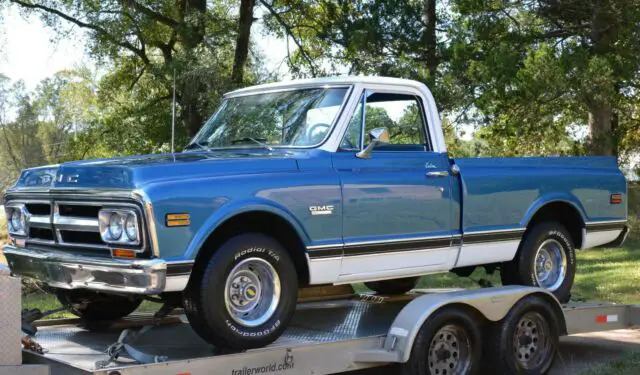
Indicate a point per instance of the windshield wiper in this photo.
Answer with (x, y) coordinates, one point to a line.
(259, 141)
(193, 145)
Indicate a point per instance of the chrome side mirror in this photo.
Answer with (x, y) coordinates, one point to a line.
(376, 137)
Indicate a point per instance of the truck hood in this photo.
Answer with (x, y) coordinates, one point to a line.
(137, 171)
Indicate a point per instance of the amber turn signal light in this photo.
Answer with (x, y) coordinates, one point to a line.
(123, 253)
(177, 220)
(616, 199)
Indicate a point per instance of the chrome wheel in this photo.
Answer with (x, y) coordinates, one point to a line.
(252, 292)
(551, 265)
(531, 340)
(450, 351)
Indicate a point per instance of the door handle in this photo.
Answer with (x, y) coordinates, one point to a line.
(438, 174)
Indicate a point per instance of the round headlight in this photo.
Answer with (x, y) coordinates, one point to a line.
(115, 226)
(130, 228)
(16, 220)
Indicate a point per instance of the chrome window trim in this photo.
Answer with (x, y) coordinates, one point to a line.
(338, 117)
(431, 119)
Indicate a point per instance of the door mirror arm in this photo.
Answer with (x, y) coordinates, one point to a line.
(377, 136)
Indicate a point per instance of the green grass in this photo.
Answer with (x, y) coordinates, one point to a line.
(627, 365)
(611, 275)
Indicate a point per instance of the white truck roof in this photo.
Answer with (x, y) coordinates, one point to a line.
(433, 118)
(337, 80)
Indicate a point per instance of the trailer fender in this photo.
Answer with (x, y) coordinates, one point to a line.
(492, 303)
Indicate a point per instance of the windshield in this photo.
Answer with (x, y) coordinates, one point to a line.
(293, 118)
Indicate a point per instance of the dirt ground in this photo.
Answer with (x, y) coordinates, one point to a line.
(578, 353)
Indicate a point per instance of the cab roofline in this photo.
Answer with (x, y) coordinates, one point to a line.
(326, 81)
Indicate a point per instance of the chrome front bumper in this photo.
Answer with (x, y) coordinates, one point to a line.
(63, 270)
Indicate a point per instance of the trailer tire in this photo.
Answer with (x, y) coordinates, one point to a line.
(546, 258)
(245, 295)
(534, 322)
(449, 342)
(97, 307)
(395, 286)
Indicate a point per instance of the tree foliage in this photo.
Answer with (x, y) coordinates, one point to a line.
(547, 77)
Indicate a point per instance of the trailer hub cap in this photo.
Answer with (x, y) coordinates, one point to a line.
(449, 352)
(530, 341)
(252, 292)
(550, 265)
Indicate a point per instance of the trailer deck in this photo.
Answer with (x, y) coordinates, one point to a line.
(324, 337)
(317, 328)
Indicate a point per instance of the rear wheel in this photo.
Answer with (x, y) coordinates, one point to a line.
(546, 258)
(246, 294)
(395, 286)
(525, 341)
(448, 343)
(95, 307)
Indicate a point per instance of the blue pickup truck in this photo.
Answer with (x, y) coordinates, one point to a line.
(310, 182)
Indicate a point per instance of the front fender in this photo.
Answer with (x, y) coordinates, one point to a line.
(226, 212)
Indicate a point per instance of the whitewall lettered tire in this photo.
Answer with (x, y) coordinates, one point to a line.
(246, 294)
(546, 258)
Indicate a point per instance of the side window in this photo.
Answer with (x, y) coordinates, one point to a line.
(401, 114)
(351, 140)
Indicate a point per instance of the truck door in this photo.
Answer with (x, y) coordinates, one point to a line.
(397, 204)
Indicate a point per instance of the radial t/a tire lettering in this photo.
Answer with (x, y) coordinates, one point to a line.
(546, 258)
(245, 295)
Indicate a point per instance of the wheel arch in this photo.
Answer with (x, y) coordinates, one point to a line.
(490, 304)
(253, 217)
(566, 210)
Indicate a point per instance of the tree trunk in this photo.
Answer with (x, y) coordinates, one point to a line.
(192, 119)
(429, 37)
(601, 129)
(601, 112)
(243, 40)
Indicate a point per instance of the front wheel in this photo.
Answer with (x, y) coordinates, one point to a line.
(246, 294)
(94, 307)
(546, 258)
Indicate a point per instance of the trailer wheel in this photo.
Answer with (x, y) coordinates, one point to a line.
(448, 343)
(546, 258)
(246, 294)
(525, 341)
(395, 286)
(96, 307)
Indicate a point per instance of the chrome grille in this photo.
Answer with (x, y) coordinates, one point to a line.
(69, 224)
